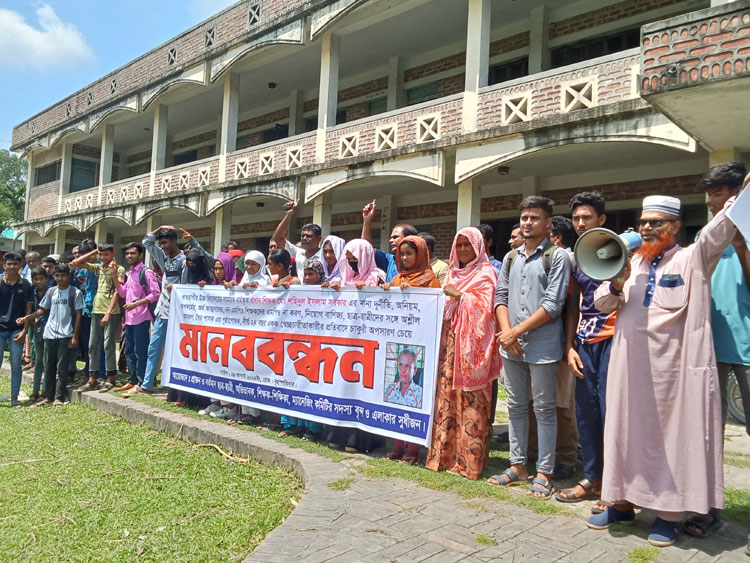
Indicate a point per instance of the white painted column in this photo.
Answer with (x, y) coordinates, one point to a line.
(229, 112)
(296, 111)
(59, 244)
(322, 211)
(106, 158)
(469, 201)
(530, 186)
(389, 216)
(65, 165)
(158, 142)
(327, 92)
(720, 2)
(477, 59)
(396, 92)
(29, 182)
(222, 227)
(539, 53)
(100, 232)
(722, 156)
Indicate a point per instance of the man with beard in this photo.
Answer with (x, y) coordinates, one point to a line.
(663, 435)
(385, 260)
(310, 238)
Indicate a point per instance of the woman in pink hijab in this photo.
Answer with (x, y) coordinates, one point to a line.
(468, 362)
(357, 266)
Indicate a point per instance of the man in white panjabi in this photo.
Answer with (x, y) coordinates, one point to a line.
(663, 432)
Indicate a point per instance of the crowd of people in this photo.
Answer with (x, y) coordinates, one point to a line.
(636, 351)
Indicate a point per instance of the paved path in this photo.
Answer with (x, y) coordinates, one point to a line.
(394, 520)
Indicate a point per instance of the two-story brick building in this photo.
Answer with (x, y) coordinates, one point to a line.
(447, 112)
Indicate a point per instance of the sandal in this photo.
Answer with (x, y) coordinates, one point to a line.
(88, 386)
(394, 455)
(590, 492)
(411, 459)
(106, 386)
(42, 403)
(703, 525)
(309, 438)
(598, 507)
(662, 533)
(546, 491)
(58, 403)
(501, 481)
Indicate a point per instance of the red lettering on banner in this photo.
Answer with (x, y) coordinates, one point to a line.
(271, 353)
(365, 359)
(309, 365)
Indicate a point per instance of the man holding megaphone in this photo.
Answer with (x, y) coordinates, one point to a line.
(663, 432)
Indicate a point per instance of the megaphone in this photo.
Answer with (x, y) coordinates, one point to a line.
(602, 254)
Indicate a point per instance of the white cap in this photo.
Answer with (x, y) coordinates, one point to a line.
(663, 203)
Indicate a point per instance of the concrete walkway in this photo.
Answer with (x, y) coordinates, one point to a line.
(394, 520)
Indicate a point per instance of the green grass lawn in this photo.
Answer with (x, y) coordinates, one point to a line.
(78, 485)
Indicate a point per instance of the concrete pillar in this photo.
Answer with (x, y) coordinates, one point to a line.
(389, 217)
(100, 232)
(530, 186)
(105, 159)
(117, 242)
(296, 111)
(396, 92)
(322, 211)
(469, 201)
(229, 112)
(222, 227)
(29, 183)
(65, 165)
(539, 53)
(477, 59)
(59, 244)
(158, 142)
(327, 92)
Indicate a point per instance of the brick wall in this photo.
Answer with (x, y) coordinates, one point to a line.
(194, 140)
(43, 158)
(229, 27)
(676, 186)
(265, 119)
(43, 200)
(695, 50)
(608, 14)
(86, 150)
(145, 155)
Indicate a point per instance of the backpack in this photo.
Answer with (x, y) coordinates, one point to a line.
(547, 254)
(142, 280)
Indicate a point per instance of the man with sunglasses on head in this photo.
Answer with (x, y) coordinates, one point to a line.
(663, 437)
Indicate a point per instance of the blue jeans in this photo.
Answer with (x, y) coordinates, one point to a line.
(16, 352)
(542, 377)
(136, 350)
(155, 347)
(591, 393)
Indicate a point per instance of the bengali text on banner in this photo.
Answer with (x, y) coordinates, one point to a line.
(365, 359)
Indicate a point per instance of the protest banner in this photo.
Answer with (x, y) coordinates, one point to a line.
(365, 359)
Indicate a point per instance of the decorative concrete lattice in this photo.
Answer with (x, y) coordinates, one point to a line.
(184, 181)
(265, 165)
(138, 190)
(113, 86)
(517, 109)
(166, 185)
(89, 98)
(241, 169)
(293, 157)
(580, 94)
(68, 110)
(253, 15)
(124, 194)
(386, 137)
(204, 177)
(349, 145)
(172, 56)
(428, 128)
(210, 37)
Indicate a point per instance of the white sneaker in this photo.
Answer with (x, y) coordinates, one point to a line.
(224, 412)
(210, 409)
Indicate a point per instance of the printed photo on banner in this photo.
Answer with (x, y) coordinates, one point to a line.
(359, 358)
(404, 367)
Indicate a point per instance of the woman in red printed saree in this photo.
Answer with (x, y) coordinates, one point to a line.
(468, 361)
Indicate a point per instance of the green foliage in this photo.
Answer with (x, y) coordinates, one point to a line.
(341, 484)
(484, 540)
(737, 506)
(12, 188)
(77, 485)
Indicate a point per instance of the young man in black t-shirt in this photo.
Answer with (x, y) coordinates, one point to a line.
(16, 301)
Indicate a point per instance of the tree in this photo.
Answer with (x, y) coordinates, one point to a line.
(12, 188)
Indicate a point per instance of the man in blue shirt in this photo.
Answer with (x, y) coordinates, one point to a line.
(531, 292)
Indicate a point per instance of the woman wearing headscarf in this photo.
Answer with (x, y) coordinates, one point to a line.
(413, 263)
(255, 270)
(468, 362)
(357, 267)
(225, 272)
(332, 249)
